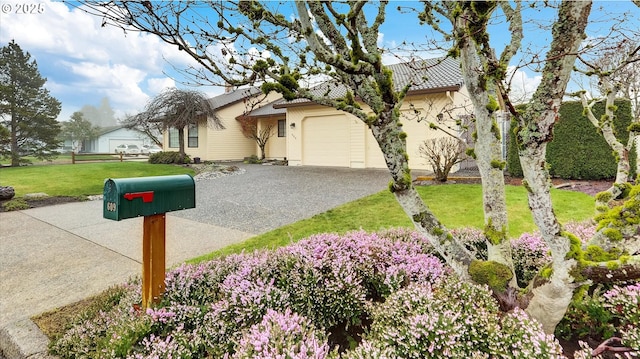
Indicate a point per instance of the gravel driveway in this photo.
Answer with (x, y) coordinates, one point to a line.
(263, 198)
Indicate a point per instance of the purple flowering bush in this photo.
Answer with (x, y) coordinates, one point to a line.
(357, 295)
(326, 281)
(451, 319)
(622, 303)
(282, 335)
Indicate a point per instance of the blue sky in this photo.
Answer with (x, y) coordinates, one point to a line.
(85, 62)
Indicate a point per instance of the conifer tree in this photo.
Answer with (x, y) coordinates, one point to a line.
(27, 110)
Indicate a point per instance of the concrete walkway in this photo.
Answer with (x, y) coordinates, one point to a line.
(57, 255)
(54, 256)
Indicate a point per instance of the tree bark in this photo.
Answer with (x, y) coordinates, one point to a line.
(550, 300)
(488, 148)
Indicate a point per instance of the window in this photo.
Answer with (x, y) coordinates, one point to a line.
(173, 138)
(192, 134)
(281, 128)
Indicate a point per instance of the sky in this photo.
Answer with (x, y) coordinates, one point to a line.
(85, 62)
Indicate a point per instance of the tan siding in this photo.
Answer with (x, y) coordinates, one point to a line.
(276, 147)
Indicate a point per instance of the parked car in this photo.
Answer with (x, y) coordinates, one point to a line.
(128, 150)
(149, 150)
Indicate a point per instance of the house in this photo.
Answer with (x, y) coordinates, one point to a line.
(227, 144)
(309, 134)
(110, 137)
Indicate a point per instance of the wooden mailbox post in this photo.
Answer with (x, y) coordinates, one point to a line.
(150, 197)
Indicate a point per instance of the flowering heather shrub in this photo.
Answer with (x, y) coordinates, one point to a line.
(451, 319)
(530, 253)
(282, 335)
(207, 308)
(624, 304)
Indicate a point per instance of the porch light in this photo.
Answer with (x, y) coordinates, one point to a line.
(292, 125)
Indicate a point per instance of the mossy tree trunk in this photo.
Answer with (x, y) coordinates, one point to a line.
(551, 299)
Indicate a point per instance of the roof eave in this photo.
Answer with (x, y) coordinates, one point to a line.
(409, 93)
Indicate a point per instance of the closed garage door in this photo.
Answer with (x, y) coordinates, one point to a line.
(325, 141)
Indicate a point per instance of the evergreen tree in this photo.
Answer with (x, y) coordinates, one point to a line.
(27, 110)
(77, 130)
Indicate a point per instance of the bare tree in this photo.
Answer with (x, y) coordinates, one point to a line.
(341, 42)
(152, 129)
(176, 108)
(261, 134)
(442, 154)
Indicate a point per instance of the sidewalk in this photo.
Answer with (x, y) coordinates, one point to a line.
(54, 256)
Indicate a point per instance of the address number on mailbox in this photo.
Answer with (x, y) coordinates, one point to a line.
(111, 206)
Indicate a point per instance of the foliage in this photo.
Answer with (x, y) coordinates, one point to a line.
(284, 334)
(77, 130)
(324, 292)
(176, 108)
(169, 157)
(457, 206)
(207, 308)
(260, 133)
(27, 110)
(577, 150)
(602, 313)
(451, 319)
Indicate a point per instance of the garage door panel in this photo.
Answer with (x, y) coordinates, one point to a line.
(325, 141)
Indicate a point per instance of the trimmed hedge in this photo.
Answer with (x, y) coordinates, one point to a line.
(578, 150)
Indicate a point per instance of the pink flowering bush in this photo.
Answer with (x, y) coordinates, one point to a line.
(622, 303)
(451, 319)
(326, 281)
(282, 335)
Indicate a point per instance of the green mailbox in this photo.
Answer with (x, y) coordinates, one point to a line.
(146, 196)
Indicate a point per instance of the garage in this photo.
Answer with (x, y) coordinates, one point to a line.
(325, 141)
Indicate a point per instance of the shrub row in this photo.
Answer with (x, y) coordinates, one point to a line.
(577, 150)
(359, 295)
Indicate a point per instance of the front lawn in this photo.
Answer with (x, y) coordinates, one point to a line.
(456, 206)
(79, 179)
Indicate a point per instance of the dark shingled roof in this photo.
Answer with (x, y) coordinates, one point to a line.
(234, 96)
(425, 76)
(268, 110)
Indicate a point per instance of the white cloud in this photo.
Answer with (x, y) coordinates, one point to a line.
(522, 84)
(84, 62)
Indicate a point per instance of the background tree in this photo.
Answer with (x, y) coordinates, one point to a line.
(27, 110)
(177, 108)
(253, 131)
(77, 130)
(616, 70)
(340, 41)
(102, 116)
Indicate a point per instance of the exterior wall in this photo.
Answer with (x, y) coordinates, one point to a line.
(276, 147)
(363, 150)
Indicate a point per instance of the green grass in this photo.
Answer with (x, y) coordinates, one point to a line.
(456, 206)
(79, 179)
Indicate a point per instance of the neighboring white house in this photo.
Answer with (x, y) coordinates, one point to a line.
(109, 138)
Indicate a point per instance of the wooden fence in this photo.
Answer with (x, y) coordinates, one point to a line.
(76, 157)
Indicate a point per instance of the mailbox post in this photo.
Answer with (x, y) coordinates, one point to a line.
(150, 197)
